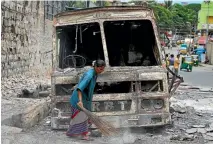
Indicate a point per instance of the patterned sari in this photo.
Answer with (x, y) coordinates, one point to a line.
(78, 124)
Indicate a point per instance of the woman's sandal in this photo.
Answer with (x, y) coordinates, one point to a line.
(87, 138)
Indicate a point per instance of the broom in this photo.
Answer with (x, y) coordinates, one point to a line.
(105, 127)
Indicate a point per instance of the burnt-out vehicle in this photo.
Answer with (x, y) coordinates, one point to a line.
(134, 89)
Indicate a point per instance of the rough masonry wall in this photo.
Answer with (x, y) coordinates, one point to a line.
(26, 44)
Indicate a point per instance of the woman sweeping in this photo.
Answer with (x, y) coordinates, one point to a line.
(82, 96)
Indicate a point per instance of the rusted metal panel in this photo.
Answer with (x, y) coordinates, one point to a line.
(116, 69)
(115, 76)
(114, 9)
(110, 78)
(120, 96)
(122, 100)
(152, 76)
(106, 56)
(138, 120)
(66, 20)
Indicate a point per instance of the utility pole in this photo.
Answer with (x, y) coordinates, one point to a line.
(190, 32)
(87, 3)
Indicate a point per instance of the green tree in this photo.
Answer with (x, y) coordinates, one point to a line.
(181, 15)
(194, 7)
(78, 4)
(168, 3)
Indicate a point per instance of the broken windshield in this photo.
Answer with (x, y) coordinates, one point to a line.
(79, 45)
(130, 43)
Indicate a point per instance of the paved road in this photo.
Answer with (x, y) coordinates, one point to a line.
(200, 76)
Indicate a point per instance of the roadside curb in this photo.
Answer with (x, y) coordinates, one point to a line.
(205, 65)
(202, 89)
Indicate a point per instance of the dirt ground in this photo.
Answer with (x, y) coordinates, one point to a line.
(192, 116)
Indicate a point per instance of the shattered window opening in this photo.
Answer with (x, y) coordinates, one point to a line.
(151, 86)
(79, 45)
(113, 87)
(130, 43)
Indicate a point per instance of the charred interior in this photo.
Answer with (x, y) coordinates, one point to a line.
(64, 89)
(114, 87)
(79, 45)
(130, 43)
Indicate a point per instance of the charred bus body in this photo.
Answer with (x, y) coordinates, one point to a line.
(133, 91)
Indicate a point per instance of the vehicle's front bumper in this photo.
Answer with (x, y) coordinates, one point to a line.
(121, 121)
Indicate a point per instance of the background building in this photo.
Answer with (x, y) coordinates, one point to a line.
(206, 13)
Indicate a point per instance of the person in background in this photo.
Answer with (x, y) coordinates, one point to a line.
(167, 60)
(171, 62)
(176, 64)
(82, 96)
(170, 45)
(146, 62)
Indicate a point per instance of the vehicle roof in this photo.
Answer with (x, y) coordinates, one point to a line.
(95, 9)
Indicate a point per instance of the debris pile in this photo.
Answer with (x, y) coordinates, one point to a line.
(24, 86)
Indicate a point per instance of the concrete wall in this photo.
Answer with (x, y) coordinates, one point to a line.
(26, 44)
(210, 52)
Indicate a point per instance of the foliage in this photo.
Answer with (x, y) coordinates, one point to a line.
(194, 7)
(84, 4)
(182, 15)
(168, 15)
(77, 4)
(163, 15)
(176, 16)
(168, 3)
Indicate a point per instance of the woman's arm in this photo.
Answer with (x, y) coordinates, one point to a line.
(81, 86)
(80, 98)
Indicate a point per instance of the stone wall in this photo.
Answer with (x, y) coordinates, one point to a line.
(26, 38)
(26, 44)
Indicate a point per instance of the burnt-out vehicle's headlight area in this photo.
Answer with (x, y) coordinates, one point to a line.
(152, 104)
(130, 43)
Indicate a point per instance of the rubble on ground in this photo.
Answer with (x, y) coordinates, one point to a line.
(191, 131)
(18, 86)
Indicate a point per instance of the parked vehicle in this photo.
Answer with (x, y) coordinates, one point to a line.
(195, 60)
(183, 49)
(134, 90)
(200, 51)
(187, 63)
